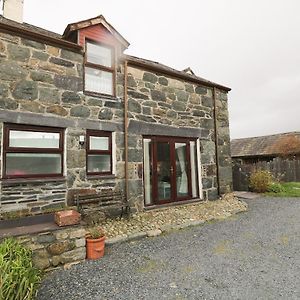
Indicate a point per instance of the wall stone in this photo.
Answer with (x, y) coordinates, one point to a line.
(174, 103)
(57, 248)
(225, 169)
(40, 79)
(42, 84)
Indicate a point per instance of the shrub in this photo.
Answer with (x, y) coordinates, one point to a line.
(96, 232)
(260, 180)
(18, 278)
(276, 188)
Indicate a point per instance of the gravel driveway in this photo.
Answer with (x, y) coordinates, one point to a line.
(253, 255)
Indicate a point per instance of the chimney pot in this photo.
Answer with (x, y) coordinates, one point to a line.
(13, 9)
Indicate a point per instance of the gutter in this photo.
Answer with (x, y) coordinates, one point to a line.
(22, 32)
(216, 140)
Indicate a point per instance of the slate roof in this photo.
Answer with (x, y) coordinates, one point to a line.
(26, 26)
(176, 73)
(156, 66)
(269, 145)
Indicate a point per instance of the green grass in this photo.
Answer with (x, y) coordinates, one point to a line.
(290, 189)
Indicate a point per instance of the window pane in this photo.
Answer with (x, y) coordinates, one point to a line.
(99, 143)
(33, 139)
(163, 170)
(19, 164)
(98, 81)
(99, 55)
(181, 170)
(98, 163)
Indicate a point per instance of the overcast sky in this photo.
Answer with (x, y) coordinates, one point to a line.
(252, 46)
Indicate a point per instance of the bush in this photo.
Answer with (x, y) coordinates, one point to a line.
(276, 188)
(260, 180)
(18, 278)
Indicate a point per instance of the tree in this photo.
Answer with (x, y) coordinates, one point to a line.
(288, 146)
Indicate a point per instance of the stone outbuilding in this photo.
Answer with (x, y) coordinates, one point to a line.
(77, 114)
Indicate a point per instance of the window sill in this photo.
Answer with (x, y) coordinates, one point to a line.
(177, 203)
(7, 182)
(91, 177)
(103, 96)
(30, 225)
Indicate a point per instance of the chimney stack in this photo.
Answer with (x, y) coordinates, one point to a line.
(13, 9)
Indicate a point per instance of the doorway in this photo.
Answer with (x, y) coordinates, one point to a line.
(170, 170)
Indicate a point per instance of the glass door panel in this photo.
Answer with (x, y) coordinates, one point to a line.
(182, 183)
(170, 170)
(163, 168)
(193, 158)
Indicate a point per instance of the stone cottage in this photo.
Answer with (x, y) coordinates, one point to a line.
(77, 114)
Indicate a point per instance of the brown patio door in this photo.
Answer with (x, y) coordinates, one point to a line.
(171, 171)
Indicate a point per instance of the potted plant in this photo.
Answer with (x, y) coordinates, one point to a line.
(95, 243)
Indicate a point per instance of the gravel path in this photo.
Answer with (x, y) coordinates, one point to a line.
(253, 255)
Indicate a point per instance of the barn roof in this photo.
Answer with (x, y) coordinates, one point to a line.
(269, 145)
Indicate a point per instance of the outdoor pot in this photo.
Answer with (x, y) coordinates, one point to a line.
(95, 247)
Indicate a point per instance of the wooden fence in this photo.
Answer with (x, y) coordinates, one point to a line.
(285, 170)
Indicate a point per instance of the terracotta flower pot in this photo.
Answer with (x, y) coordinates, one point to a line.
(95, 247)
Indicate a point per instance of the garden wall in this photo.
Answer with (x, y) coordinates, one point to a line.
(52, 249)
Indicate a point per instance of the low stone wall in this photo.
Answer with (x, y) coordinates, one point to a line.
(52, 249)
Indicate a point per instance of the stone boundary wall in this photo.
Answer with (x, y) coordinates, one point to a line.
(57, 248)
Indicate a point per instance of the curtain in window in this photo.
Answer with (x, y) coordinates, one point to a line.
(193, 168)
(147, 175)
(98, 81)
(183, 185)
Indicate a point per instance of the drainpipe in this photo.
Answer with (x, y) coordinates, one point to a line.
(216, 139)
(126, 130)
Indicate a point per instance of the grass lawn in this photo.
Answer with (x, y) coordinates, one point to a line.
(290, 189)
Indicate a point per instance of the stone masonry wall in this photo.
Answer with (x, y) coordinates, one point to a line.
(225, 164)
(56, 248)
(43, 85)
(157, 99)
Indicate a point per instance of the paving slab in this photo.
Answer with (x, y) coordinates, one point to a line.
(247, 195)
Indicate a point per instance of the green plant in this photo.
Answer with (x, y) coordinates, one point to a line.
(96, 232)
(290, 189)
(276, 187)
(12, 215)
(18, 278)
(260, 180)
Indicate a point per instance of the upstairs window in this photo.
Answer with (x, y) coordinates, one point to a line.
(99, 69)
(32, 151)
(99, 152)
